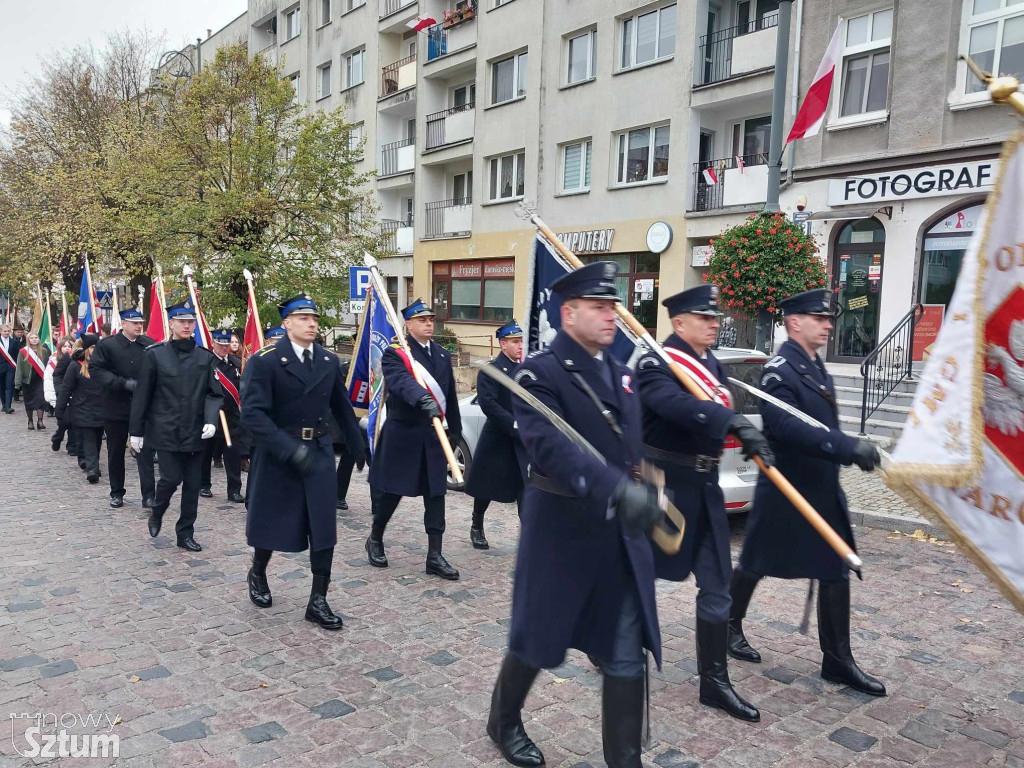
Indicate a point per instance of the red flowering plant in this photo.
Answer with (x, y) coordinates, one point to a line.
(763, 260)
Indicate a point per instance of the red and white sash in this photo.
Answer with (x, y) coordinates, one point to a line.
(7, 356)
(433, 387)
(229, 388)
(51, 364)
(704, 378)
(33, 360)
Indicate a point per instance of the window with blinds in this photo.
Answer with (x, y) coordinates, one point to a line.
(576, 167)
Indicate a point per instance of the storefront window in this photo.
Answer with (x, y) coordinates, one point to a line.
(637, 283)
(858, 272)
(479, 291)
(945, 244)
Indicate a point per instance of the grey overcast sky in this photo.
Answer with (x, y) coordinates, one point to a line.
(37, 28)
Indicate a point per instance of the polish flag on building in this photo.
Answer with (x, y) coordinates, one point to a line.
(421, 22)
(811, 114)
(739, 163)
(710, 176)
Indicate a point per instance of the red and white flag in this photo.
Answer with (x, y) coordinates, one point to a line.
(710, 176)
(739, 163)
(252, 339)
(811, 114)
(421, 22)
(155, 329)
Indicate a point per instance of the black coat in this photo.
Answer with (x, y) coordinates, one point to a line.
(408, 459)
(114, 361)
(59, 370)
(494, 473)
(229, 372)
(677, 422)
(289, 511)
(779, 541)
(176, 395)
(574, 562)
(80, 399)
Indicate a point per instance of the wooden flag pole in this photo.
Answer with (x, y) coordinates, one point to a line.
(255, 309)
(810, 514)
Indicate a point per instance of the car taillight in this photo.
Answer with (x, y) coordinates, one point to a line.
(735, 504)
(731, 442)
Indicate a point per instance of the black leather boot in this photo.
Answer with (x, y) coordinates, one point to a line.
(436, 564)
(622, 721)
(375, 551)
(715, 688)
(476, 532)
(259, 589)
(317, 610)
(505, 723)
(837, 664)
(741, 590)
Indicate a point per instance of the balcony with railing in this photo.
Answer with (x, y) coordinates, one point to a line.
(398, 157)
(390, 7)
(733, 181)
(398, 234)
(455, 33)
(398, 76)
(451, 126)
(739, 50)
(449, 218)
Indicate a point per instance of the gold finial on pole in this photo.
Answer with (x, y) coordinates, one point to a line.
(1003, 90)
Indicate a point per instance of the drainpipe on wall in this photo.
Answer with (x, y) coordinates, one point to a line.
(795, 96)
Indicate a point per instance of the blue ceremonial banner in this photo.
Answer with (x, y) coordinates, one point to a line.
(544, 308)
(88, 318)
(366, 382)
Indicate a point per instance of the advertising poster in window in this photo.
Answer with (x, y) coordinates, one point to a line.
(926, 331)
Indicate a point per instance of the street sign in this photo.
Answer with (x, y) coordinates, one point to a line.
(799, 217)
(358, 282)
(103, 297)
(356, 306)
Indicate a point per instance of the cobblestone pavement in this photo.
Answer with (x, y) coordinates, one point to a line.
(97, 618)
(867, 492)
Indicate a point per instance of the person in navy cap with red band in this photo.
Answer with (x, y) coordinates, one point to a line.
(229, 374)
(495, 473)
(409, 460)
(779, 541)
(290, 385)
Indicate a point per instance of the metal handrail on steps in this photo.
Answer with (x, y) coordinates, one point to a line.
(892, 361)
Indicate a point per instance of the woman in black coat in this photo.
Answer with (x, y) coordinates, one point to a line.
(84, 397)
(67, 347)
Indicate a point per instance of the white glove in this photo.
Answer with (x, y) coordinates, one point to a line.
(136, 444)
(209, 430)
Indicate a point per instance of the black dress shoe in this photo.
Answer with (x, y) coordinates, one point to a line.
(342, 504)
(55, 444)
(206, 493)
(375, 553)
(236, 497)
(317, 609)
(116, 502)
(477, 538)
(93, 479)
(148, 502)
(154, 524)
(190, 544)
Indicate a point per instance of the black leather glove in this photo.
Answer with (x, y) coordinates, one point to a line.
(636, 502)
(129, 385)
(754, 443)
(429, 406)
(453, 438)
(302, 460)
(866, 456)
(361, 460)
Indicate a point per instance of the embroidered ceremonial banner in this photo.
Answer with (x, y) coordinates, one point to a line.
(962, 449)
(365, 380)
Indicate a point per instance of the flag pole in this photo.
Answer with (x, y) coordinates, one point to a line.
(49, 320)
(252, 302)
(1003, 90)
(142, 298)
(162, 300)
(64, 310)
(39, 299)
(187, 272)
(810, 514)
(385, 301)
(92, 298)
(115, 314)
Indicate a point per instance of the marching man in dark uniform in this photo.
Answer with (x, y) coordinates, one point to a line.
(409, 460)
(495, 474)
(584, 571)
(229, 374)
(779, 541)
(116, 361)
(684, 436)
(174, 410)
(290, 386)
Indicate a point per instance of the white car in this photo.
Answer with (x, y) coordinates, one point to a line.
(736, 476)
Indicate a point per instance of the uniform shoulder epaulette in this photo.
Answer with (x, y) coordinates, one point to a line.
(537, 353)
(155, 344)
(775, 362)
(265, 351)
(647, 361)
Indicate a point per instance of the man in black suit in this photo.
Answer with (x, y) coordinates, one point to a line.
(409, 460)
(9, 349)
(229, 374)
(115, 365)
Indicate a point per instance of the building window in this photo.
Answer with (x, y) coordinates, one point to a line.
(462, 188)
(507, 173)
(292, 23)
(576, 167)
(480, 291)
(354, 67)
(865, 84)
(995, 38)
(326, 11)
(642, 154)
(391, 284)
(647, 37)
(945, 245)
(355, 138)
(296, 81)
(579, 54)
(636, 283)
(508, 78)
(323, 81)
(751, 139)
(353, 4)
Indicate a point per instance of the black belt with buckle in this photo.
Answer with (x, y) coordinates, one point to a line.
(696, 462)
(548, 485)
(308, 433)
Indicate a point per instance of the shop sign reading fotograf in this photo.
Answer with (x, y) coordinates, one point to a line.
(931, 181)
(588, 241)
